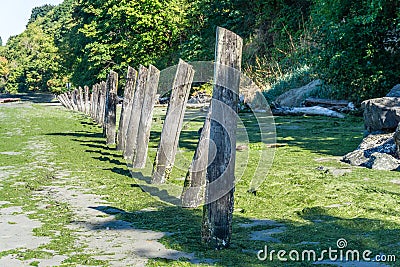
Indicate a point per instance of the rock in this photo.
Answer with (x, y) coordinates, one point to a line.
(200, 98)
(355, 158)
(374, 152)
(396, 138)
(382, 143)
(382, 161)
(295, 97)
(395, 92)
(381, 114)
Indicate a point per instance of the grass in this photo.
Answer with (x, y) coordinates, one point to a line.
(361, 206)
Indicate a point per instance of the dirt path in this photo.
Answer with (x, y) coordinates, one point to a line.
(100, 234)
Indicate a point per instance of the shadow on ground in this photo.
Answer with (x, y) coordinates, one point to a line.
(249, 237)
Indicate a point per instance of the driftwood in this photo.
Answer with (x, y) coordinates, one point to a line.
(311, 111)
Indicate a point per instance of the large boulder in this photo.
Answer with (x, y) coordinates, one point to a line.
(395, 92)
(376, 151)
(295, 97)
(381, 114)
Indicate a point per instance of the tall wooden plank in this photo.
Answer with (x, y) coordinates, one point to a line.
(111, 109)
(126, 110)
(194, 186)
(91, 104)
(134, 120)
(140, 151)
(68, 95)
(98, 103)
(217, 213)
(81, 100)
(102, 105)
(86, 100)
(74, 97)
(172, 127)
(63, 100)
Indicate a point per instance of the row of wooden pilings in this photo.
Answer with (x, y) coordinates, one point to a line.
(132, 135)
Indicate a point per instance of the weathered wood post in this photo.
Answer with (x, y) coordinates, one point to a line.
(140, 152)
(91, 104)
(194, 186)
(172, 127)
(220, 187)
(63, 100)
(87, 102)
(126, 110)
(75, 99)
(102, 106)
(136, 111)
(111, 108)
(98, 104)
(81, 100)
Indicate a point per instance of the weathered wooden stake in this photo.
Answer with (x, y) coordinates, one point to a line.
(172, 127)
(98, 103)
(67, 98)
(126, 110)
(134, 119)
(217, 212)
(140, 151)
(111, 108)
(87, 102)
(102, 106)
(74, 99)
(81, 100)
(194, 186)
(91, 104)
(63, 101)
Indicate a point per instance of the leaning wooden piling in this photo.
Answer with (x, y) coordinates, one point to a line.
(140, 151)
(86, 100)
(194, 186)
(126, 109)
(172, 127)
(217, 213)
(136, 111)
(111, 108)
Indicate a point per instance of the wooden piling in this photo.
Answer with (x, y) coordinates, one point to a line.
(217, 212)
(111, 108)
(140, 151)
(126, 110)
(172, 127)
(136, 111)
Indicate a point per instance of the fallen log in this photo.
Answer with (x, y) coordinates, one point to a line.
(311, 111)
(9, 100)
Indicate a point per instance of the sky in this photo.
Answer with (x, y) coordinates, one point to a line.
(14, 15)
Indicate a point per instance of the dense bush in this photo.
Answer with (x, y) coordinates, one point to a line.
(352, 49)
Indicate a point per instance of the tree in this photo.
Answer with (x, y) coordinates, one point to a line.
(40, 11)
(353, 53)
(33, 60)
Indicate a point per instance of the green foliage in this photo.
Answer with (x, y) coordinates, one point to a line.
(39, 12)
(353, 51)
(353, 46)
(4, 72)
(33, 60)
(114, 34)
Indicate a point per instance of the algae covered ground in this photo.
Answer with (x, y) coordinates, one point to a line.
(51, 157)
